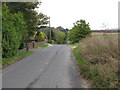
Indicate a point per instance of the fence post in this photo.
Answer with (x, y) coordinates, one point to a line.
(27, 47)
(33, 44)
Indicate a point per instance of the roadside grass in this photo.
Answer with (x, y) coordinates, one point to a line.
(42, 46)
(85, 71)
(98, 61)
(11, 60)
(72, 44)
(79, 59)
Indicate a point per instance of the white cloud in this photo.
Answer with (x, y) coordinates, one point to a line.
(65, 12)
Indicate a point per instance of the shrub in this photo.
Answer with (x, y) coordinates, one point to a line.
(40, 36)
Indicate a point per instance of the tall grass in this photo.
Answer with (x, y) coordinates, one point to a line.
(100, 57)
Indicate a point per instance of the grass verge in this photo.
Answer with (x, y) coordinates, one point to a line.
(91, 73)
(8, 61)
(72, 44)
(98, 61)
(79, 59)
(42, 46)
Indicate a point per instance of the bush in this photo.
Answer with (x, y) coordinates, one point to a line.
(12, 31)
(40, 36)
(101, 60)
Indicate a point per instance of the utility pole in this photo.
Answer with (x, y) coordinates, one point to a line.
(5, 3)
(50, 28)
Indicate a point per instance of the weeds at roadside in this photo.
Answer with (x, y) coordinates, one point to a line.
(98, 61)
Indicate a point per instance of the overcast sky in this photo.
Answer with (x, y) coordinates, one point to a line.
(65, 12)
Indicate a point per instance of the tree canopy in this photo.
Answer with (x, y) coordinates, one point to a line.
(33, 19)
(20, 21)
(80, 30)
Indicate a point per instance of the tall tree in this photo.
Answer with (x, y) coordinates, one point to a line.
(80, 30)
(32, 18)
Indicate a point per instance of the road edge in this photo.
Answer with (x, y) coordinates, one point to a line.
(85, 82)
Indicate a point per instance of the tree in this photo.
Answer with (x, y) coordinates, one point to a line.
(80, 30)
(42, 20)
(32, 18)
(12, 32)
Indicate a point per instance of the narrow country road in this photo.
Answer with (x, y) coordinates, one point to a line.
(51, 67)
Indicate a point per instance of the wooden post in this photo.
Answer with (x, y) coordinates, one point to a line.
(33, 44)
(27, 47)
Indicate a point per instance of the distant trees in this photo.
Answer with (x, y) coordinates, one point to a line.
(80, 30)
(62, 29)
(59, 37)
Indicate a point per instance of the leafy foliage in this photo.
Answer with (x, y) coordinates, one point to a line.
(47, 30)
(20, 21)
(58, 35)
(12, 32)
(40, 36)
(80, 30)
(33, 20)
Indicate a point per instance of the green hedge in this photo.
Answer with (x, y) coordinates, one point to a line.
(12, 32)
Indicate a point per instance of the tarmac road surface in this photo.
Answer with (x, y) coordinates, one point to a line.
(51, 67)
